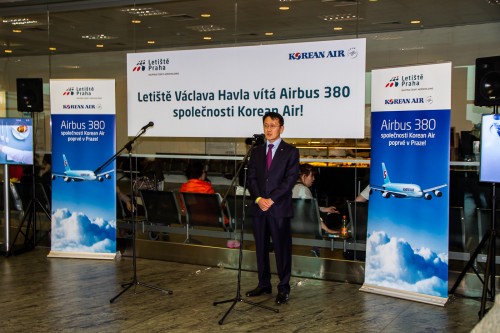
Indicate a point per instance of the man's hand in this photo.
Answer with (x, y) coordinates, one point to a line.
(265, 204)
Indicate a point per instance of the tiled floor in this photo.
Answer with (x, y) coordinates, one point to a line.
(43, 294)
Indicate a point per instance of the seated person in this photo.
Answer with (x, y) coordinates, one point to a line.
(197, 179)
(301, 190)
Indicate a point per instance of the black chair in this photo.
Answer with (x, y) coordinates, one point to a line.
(484, 224)
(160, 208)
(25, 193)
(14, 199)
(31, 206)
(306, 220)
(457, 230)
(358, 215)
(204, 210)
(235, 207)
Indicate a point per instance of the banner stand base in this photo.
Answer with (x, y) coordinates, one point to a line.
(81, 255)
(408, 295)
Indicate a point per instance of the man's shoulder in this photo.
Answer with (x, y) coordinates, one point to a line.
(286, 145)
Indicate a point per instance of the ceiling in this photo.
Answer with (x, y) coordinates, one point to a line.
(107, 24)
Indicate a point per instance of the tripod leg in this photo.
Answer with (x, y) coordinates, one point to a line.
(126, 287)
(221, 321)
(27, 216)
(471, 261)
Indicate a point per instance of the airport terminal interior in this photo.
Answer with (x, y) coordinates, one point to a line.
(90, 39)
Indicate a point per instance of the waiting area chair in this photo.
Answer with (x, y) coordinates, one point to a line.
(234, 203)
(484, 218)
(160, 208)
(306, 221)
(358, 216)
(457, 230)
(204, 210)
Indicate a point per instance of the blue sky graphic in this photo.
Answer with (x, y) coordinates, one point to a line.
(395, 263)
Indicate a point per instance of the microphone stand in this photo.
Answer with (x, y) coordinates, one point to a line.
(135, 281)
(238, 297)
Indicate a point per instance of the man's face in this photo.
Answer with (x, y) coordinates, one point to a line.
(272, 129)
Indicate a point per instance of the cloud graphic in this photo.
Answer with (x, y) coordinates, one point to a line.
(76, 232)
(393, 263)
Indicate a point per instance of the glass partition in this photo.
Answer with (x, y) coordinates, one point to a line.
(90, 39)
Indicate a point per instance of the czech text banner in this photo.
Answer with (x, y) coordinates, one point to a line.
(407, 243)
(83, 189)
(319, 88)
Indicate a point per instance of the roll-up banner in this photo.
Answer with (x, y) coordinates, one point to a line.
(318, 87)
(407, 241)
(83, 187)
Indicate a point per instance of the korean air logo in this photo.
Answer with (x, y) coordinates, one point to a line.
(140, 67)
(352, 53)
(393, 82)
(69, 92)
(385, 174)
(320, 54)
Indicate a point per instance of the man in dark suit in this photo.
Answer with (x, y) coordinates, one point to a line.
(270, 182)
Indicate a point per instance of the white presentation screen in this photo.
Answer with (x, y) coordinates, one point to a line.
(318, 87)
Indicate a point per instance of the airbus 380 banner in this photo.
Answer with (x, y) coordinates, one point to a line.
(83, 189)
(407, 241)
(318, 87)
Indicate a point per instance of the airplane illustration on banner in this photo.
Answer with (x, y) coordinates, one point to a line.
(80, 175)
(404, 190)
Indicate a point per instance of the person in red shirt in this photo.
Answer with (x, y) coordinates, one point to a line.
(197, 176)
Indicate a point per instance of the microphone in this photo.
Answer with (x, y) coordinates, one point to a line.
(259, 139)
(147, 126)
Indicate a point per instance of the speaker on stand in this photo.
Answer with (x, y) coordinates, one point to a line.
(487, 89)
(30, 99)
(487, 93)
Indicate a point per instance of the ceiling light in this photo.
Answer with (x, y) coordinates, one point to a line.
(342, 3)
(205, 15)
(146, 11)
(206, 28)
(17, 31)
(413, 48)
(269, 33)
(337, 28)
(151, 42)
(493, 2)
(415, 21)
(100, 45)
(284, 8)
(340, 17)
(7, 51)
(52, 49)
(98, 37)
(70, 66)
(136, 21)
(207, 38)
(386, 37)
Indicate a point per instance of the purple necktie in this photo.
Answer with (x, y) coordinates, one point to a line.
(269, 156)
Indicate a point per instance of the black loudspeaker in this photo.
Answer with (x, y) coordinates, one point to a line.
(30, 95)
(487, 91)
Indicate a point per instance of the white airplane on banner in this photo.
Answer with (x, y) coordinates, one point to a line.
(80, 175)
(404, 190)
